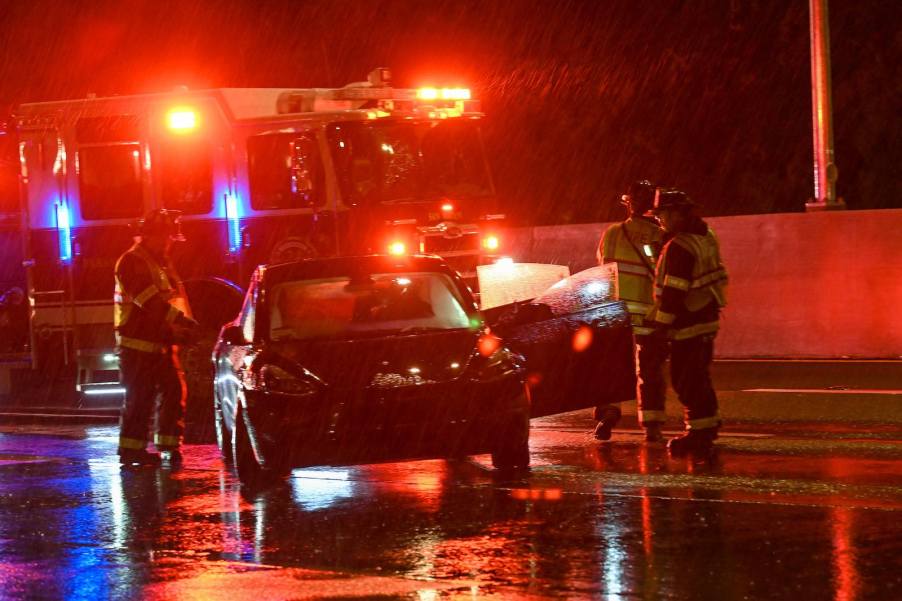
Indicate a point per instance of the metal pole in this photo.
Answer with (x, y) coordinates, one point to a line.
(825, 171)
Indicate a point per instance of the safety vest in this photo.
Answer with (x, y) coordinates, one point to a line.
(708, 282)
(127, 308)
(633, 246)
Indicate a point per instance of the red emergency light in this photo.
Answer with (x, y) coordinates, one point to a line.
(443, 94)
(181, 120)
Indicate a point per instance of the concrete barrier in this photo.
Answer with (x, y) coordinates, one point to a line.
(802, 285)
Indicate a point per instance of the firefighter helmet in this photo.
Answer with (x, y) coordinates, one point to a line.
(671, 199)
(640, 196)
(162, 222)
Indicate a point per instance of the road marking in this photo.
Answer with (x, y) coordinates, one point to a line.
(637, 433)
(243, 581)
(827, 390)
(8, 459)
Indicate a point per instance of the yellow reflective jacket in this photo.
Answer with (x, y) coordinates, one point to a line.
(633, 245)
(690, 283)
(147, 300)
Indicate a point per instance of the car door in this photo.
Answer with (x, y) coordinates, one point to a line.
(577, 341)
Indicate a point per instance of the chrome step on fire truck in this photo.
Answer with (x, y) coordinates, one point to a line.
(260, 175)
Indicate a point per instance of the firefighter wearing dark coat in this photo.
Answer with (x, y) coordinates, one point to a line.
(633, 246)
(151, 315)
(690, 291)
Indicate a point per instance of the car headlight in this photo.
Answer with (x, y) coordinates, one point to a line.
(272, 378)
(493, 360)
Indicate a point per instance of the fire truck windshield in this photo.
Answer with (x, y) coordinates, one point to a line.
(406, 161)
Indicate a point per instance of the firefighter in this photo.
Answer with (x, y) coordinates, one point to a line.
(633, 245)
(151, 316)
(690, 291)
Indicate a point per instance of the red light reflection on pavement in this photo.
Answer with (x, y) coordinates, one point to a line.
(536, 494)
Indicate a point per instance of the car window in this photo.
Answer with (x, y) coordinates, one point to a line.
(248, 313)
(365, 305)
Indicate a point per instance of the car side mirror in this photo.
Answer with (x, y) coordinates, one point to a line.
(233, 335)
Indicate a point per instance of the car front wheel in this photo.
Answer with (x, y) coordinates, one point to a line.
(248, 467)
(223, 436)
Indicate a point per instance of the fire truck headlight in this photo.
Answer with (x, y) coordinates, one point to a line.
(455, 93)
(491, 242)
(397, 248)
(427, 93)
(181, 120)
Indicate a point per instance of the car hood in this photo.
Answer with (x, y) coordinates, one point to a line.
(386, 362)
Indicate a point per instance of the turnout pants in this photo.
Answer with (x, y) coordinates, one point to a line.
(145, 377)
(690, 363)
(651, 355)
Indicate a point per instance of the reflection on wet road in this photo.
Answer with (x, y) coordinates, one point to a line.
(768, 518)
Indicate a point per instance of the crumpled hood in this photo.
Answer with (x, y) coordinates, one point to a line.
(388, 362)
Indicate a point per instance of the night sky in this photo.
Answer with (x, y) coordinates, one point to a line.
(712, 96)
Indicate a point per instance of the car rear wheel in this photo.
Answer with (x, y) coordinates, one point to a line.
(512, 450)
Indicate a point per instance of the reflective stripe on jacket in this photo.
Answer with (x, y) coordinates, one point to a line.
(147, 300)
(633, 245)
(690, 283)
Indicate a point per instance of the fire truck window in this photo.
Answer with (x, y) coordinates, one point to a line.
(453, 161)
(285, 172)
(109, 179)
(407, 161)
(9, 172)
(185, 169)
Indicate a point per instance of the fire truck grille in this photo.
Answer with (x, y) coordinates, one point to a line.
(440, 245)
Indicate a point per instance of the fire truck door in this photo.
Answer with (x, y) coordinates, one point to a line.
(577, 342)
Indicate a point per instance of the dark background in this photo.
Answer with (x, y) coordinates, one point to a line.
(712, 96)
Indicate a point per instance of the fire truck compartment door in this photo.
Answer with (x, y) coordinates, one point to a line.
(577, 342)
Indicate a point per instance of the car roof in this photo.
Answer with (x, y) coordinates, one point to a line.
(309, 269)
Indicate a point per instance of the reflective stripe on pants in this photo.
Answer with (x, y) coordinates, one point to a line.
(651, 354)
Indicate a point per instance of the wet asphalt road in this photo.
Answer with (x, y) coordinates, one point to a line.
(780, 513)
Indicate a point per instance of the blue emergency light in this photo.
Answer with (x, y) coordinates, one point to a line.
(234, 223)
(64, 231)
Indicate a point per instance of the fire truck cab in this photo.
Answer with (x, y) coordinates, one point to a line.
(261, 175)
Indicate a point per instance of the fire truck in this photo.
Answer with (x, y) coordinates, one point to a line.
(260, 175)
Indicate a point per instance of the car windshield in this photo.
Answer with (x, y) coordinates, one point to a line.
(388, 161)
(365, 305)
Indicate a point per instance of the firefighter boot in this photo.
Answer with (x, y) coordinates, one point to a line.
(138, 457)
(609, 418)
(693, 442)
(653, 432)
(174, 458)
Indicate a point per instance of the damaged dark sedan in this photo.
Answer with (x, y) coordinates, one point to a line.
(361, 359)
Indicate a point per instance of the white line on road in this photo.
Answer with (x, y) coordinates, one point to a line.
(826, 390)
